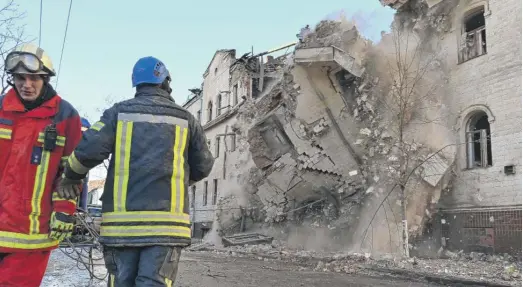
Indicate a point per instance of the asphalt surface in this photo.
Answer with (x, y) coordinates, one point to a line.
(209, 269)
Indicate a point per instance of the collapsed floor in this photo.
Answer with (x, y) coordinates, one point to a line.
(325, 160)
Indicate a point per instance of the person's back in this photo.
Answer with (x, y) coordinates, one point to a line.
(158, 148)
(150, 158)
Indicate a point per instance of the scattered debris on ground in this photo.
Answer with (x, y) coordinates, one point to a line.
(504, 270)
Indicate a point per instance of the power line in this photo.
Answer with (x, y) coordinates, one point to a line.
(63, 43)
(40, 34)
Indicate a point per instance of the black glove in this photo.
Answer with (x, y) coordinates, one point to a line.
(69, 188)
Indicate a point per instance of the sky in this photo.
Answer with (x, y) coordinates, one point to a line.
(106, 38)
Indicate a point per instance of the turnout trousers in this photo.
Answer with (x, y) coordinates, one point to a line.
(23, 269)
(151, 266)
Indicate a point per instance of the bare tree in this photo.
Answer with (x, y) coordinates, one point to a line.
(407, 88)
(11, 34)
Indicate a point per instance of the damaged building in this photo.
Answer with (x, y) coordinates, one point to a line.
(332, 146)
(481, 51)
(215, 105)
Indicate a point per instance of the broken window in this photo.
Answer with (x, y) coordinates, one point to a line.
(199, 115)
(215, 192)
(473, 39)
(193, 195)
(205, 185)
(209, 111)
(479, 148)
(235, 95)
(217, 147)
(219, 105)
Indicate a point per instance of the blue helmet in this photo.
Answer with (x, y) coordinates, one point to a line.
(149, 70)
(85, 124)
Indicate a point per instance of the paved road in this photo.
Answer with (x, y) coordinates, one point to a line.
(208, 269)
(221, 270)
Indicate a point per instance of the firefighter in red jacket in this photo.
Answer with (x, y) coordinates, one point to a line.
(38, 131)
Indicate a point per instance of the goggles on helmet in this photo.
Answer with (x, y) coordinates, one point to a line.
(29, 61)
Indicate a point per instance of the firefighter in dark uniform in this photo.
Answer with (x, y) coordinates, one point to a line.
(157, 148)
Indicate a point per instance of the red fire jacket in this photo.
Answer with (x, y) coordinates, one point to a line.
(28, 172)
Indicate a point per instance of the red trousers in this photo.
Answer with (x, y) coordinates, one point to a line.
(23, 269)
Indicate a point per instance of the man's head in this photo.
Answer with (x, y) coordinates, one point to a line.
(29, 86)
(150, 71)
(30, 68)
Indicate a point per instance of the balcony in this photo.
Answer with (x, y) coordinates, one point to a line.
(328, 56)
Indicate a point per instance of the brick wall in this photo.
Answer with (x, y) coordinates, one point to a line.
(491, 82)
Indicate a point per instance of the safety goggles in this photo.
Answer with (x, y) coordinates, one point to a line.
(29, 61)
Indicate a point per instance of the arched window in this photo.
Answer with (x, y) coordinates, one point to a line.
(209, 111)
(479, 147)
(219, 105)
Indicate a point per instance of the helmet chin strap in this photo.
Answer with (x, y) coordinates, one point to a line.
(166, 86)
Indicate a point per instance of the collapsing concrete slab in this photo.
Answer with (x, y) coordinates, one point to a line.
(326, 56)
(433, 169)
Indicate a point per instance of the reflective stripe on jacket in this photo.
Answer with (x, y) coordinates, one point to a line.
(28, 172)
(157, 147)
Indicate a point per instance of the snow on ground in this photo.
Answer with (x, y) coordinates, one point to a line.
(63, 270)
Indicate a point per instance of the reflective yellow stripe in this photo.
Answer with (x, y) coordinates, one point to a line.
(97, 126)
(76, 165)
(174, 186)
(63, 160)
(56, 197)
(5, 134)
(60, 140)
(145, 230)
(111, 278)
(38, 192)
(168, 282)
(153, 119)
(182, 170)
(124, 135)
(25, 241)
(145, 216)
(178, 176)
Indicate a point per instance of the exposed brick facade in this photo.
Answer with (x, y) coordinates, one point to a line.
(492, 83)
(483, 209)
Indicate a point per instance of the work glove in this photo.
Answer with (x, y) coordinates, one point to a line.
(61, 226)
(69, 188)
